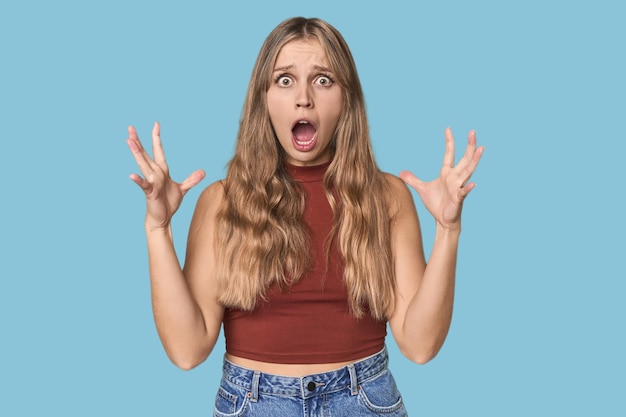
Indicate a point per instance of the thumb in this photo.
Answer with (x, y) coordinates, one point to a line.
(412, 180)
(192, 180)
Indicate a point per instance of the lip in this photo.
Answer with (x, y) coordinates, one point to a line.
(304, 146)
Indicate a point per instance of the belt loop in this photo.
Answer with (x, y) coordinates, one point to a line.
(354, 383)
(255, 386)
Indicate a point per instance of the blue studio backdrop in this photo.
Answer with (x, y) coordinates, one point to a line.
(539, 314)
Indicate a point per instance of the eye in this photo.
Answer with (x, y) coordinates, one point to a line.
(324, 81)
(283, 81)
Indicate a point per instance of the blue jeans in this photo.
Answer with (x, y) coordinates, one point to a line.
(364, 388)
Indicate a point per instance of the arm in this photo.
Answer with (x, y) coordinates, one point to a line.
(425, 292)
(186, 311)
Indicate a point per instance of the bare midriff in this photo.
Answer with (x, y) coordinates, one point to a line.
(291, 370)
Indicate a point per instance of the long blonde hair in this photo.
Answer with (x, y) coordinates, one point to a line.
(261, 238)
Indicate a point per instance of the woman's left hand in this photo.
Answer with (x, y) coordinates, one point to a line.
(443, 197)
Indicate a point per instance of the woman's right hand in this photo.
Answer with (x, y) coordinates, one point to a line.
(163, 195)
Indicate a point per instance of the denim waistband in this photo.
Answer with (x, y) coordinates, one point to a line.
(347, 377)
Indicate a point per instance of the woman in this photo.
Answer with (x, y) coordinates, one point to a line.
(306, 250)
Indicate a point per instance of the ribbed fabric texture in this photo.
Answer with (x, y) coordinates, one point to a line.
(309, 322)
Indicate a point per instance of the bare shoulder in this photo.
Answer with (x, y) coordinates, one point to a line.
(399, 198)
(212, 196)
(200, 256)
(205, 213)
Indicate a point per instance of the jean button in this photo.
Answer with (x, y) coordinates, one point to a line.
(311, 386)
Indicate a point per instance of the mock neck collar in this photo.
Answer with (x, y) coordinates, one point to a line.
(307, 173)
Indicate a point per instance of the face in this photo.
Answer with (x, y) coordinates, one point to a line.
(304, 103)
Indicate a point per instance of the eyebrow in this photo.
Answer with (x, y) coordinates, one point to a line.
(291, 66)
(285, 68)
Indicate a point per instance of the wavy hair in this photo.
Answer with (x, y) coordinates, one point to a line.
(261, 238)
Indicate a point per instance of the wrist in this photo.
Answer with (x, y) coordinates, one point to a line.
(448, 230)
(158, 228)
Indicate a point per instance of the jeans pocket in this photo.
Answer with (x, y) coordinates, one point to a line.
(381, 396)
(230, 401)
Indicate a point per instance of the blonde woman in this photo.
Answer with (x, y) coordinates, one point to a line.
(306, 250)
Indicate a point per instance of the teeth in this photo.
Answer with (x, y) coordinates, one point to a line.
(304, 143)
(308, 142)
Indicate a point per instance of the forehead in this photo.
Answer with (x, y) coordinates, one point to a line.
(301, 52)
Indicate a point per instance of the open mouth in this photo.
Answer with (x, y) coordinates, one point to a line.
(304, 135)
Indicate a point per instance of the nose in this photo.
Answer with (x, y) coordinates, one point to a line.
(304, 98)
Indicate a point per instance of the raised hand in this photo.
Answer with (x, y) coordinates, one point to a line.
(443, 197)
(163, 195)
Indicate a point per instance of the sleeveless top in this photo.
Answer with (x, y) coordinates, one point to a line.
(309, 322)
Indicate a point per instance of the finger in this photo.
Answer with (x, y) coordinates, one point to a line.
(468, 170)
(192, 180)
(478, 154)
(132, 132)
(133, 140)
(142, 158)
(471, 167)
(157, 146)
(466, 166)
(448, 158)
(143, 184)
(470, 149)
(410, 179)
(465, 190)
(471, 138)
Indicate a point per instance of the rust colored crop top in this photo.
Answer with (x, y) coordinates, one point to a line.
(309, 322)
